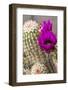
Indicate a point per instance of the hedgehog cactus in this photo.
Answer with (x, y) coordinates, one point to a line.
(32, 53)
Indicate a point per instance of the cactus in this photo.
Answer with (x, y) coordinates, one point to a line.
(32, 52)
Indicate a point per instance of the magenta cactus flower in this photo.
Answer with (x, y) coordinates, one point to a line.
(47, 39)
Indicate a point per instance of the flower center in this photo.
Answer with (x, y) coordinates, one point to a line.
(37, 71)
(47, 42)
